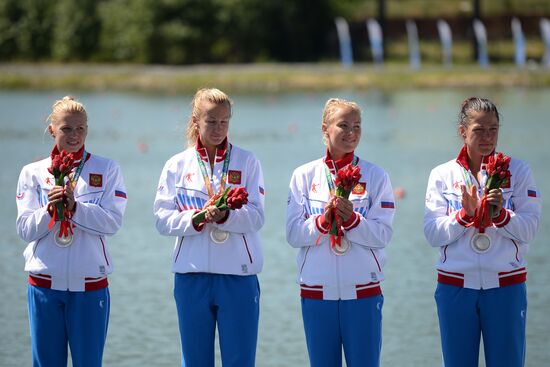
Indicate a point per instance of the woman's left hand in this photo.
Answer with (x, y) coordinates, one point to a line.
(68, 197)
(344, 208)
(495, 197)
(213, 214)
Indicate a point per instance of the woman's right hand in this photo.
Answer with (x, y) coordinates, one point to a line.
(329, 208)
(469, 200)
(56, 195)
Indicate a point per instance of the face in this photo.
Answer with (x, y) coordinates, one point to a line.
(343, 131)
(69, 131)
(481, 134)
(213, 123)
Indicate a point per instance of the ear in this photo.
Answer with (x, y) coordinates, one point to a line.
(50, 130)
(462, 132)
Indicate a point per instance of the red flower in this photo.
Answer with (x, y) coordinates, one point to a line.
(231, 199)
(497, 169)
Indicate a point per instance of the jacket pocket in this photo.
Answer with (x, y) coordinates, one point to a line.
(245, 243)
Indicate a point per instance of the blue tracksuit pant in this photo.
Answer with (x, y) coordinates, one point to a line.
(355, 325)
(61, 318)
(232, 302)
(497, 314)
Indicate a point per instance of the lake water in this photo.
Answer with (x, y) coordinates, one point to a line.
(406, 132)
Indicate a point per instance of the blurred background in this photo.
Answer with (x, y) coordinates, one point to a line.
(136, 64)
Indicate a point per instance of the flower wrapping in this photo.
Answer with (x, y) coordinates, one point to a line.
(497, 169)
(61, 166)
(346, 179)
(231, 199)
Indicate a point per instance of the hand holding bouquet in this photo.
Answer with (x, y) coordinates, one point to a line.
(62, 165)
(230, 199)
(346, 179)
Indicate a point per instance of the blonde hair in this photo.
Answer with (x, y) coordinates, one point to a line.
(66, 104)
(330, 108)
(211, 95)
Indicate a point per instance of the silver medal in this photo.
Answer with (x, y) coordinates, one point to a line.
(341, 249)
(63, 241)
(218, 236)
(480, 243)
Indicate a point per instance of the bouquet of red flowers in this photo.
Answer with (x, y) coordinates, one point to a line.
(346, 179)
(498, 171)
(232, 198)
(60, 168)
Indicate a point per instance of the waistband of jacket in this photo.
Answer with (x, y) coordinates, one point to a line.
(361, 291)
(505, 278)
(90, 284)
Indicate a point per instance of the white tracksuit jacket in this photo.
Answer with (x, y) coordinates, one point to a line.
(445, 226)
(101, 200)
(181, 193)
(321, 273)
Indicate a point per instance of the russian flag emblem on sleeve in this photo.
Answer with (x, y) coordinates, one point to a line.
(387, 205)
(120, 194)
(532, 193)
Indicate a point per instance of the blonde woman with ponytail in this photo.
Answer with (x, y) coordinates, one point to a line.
(68, 293)
(216, 260)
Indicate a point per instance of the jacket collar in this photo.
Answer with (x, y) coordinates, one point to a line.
(333, 165)
(462, 158)
(220, 151)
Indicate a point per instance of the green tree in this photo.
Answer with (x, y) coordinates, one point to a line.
(76, 30)
(127, 28)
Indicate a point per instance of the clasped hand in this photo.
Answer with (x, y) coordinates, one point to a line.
(470, 200)
(63, 194)
(342, 206)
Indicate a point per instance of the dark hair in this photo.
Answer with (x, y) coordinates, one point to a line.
(475, 104)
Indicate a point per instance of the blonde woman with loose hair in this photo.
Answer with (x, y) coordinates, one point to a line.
(68, 293)
(215, 261)
(339, 281)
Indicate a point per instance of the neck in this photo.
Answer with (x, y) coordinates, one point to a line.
(474, 163)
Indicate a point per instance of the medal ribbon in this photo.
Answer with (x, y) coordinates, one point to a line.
(225, 170)
(78, 171)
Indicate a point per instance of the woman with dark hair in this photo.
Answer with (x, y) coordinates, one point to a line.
(483, 233)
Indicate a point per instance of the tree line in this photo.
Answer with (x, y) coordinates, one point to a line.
(169, 31)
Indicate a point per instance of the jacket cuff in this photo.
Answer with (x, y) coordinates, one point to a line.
(502, 219)
(464, 219)
(200, 226)
(321, 224)
(352, 222)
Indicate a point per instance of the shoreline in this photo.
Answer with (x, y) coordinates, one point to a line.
(263, 78)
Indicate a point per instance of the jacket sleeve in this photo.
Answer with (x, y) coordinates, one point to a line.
(250, 218)
(301, 228)
(105, 217)
(32, 215)
(375, 230)
(440, 228)
(527, 203)
(170, 219)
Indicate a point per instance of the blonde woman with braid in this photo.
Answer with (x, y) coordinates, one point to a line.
(216, 260)
(68, 291)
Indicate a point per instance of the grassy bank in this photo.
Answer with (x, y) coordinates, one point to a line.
(258, 78)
